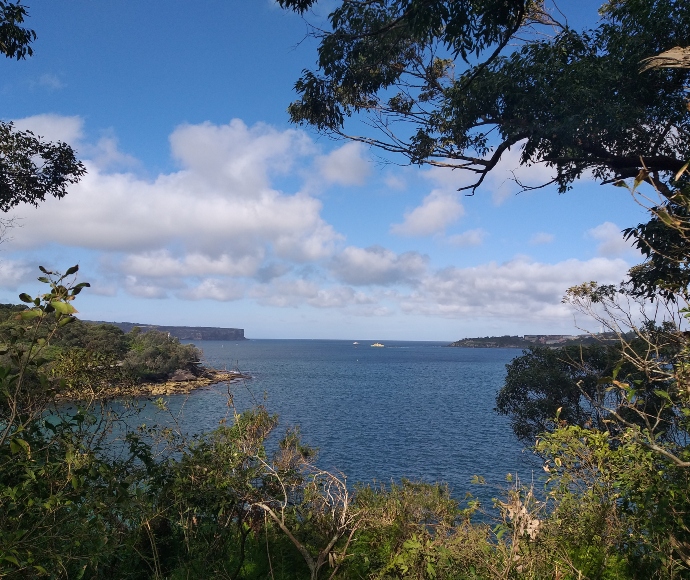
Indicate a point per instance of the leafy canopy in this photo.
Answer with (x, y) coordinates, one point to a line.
(457, 84)
(30, 168)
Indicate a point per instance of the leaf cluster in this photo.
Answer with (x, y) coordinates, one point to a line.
(572, 100)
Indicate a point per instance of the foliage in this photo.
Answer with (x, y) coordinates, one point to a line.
(81, 346)
(30, 169)
(155, 355)
(543, 380)
(15, 40)
(440, 85)
(83, 493)
(623, 497)
(577, 385)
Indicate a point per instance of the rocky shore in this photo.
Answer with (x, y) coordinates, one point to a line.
(181, 383)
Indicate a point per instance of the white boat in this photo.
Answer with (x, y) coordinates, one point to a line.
(377, 344)
(355, 342)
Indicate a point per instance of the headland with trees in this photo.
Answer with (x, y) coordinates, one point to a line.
(443, 83)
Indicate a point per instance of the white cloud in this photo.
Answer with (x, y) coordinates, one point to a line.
(54, 127)
(377, 265)
(219, 228)
(468, 238)
(345, 165)
(106, 154)
(439, 209)
(220, 208)
(13, 273)
(519, 289)
(541, 238)
(143, 289)
(161, 263)
(395, 182)
(214, 289)
(611, 241)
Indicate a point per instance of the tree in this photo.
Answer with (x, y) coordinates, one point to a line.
(574, 385)
(30, 169)
(544, 380)
(156, 355)
(15, 40)
(457, 84)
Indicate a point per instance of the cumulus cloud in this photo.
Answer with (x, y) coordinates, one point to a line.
(219, 208)
(519, 289)
(219, 228)
(221, 290)
(377, 265)
(611, 241)
(468, 238)
(346, 165)
(54, 127)
(144, 289)
(439, 209)
(541, 238)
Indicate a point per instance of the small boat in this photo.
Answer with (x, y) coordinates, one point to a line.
(355, 342)
(377, 344)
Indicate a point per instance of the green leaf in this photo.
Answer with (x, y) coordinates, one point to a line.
(72, 270)
(30, 314)
(79, 287)
(17, 445)
(24, 297)
(63, 307)
(44, 280)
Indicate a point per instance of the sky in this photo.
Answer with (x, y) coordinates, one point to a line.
(204, 206)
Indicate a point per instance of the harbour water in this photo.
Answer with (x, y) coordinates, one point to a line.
(419, 410)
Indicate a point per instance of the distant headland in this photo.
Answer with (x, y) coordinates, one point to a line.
(553, 340)
(182, 332)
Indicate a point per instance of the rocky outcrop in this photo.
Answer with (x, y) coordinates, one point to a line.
(178, 386)
(181, 383)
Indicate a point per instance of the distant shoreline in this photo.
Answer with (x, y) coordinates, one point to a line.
(181, 332)
(530, 340)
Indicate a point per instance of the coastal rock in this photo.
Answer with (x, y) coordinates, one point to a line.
(171, 387)
(181, 375)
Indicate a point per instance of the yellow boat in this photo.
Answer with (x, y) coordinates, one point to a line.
(377, 344)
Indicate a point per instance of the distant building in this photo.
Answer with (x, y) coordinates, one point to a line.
(550, 338)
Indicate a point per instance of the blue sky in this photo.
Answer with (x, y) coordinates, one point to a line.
(204, 206)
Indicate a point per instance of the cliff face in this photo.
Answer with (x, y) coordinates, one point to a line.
(186, 332)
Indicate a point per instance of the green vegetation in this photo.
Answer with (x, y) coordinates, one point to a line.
(457, 84)
(82, 495)
(30, 169)
(79, 346)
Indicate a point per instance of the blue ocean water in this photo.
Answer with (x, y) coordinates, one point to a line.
(419, 410)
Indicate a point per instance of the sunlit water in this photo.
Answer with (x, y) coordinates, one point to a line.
(419, 410)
